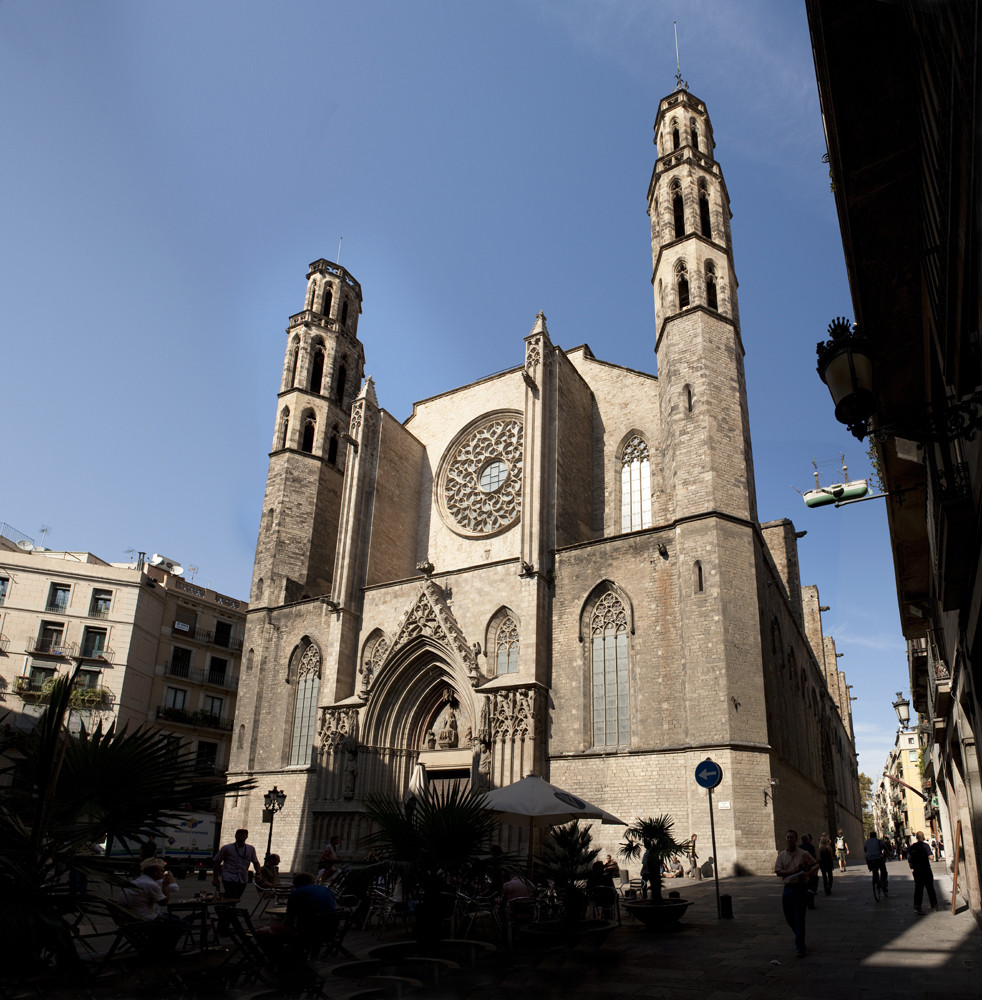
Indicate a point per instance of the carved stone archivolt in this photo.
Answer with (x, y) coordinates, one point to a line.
(338, 730)
(429, 617)
(480, 489)
(372, 663)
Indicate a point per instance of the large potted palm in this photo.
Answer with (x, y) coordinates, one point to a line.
(654, 837)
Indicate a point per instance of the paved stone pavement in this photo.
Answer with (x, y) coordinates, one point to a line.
(858, 949)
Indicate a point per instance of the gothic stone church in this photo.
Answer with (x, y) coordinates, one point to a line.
(555, 570)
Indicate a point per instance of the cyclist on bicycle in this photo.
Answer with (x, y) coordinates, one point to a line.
(875, 859)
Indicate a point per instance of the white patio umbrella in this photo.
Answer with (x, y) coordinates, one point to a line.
(535, 802)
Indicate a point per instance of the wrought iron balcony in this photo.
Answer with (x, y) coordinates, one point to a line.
(38, 691)
(99, 612)
(197, 720)
(4, 642)
(103, 654)
(195, 634)
(225, 679)
(49, 646)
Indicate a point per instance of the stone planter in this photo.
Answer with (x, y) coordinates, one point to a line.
(661, 916)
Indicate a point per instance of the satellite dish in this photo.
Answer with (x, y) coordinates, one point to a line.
(162, 562)
(25, 545)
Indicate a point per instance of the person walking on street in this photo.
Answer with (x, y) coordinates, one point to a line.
(693, 856)
(875, 860)
(841, 850)
(795, 867)
(232, 870)
(919, 859)
(826, 862)
(812, 885)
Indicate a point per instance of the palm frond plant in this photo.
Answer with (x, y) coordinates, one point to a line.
(440, 841)
(566, 859)
(63, 792)
(653, 835)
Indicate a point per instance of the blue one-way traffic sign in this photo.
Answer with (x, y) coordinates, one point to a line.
(709, 774)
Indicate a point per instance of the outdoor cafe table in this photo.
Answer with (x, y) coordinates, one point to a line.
(200, 916)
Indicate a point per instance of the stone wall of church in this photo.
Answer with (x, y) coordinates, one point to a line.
(626, 401)
(396, 505)
(437, 422)
(574, 456)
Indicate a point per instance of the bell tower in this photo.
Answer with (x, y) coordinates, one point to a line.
(702, 386)
(322, 373)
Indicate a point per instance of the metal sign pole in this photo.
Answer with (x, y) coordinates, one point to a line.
(712, 833)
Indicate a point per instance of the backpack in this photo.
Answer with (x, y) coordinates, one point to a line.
(840, 843)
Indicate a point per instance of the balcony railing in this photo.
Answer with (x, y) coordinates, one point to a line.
(4, 642)
(97, 612)
(198, 720)
(223, 679)
(195, 634)
(58, 607)
(38, 691)
(47, 646)
(103, 654)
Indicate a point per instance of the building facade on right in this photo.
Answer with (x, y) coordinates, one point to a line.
(905, 144)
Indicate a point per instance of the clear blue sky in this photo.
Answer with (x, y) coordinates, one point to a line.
(170, 169)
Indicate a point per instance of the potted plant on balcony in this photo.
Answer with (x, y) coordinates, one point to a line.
(654, 837)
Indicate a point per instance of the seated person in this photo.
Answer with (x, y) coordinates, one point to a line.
(311, 919)
(269, 874)
(148, 896)
(611, 867)
(516, 897)
(672, 868)
(599, 877)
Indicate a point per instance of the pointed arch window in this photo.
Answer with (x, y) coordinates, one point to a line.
(682, 284)
(712, 300)
(675, 133)
(309, 428)
(705, 220)
(294, 363)
(308, 677)
(694, 132)
(635, 486)
(328, 301)
(284, 427)
(344, 313)
(332, 448)
(339, 386)
(317, 370)
(506, 641)
(699, 584)
(678, 209)
(610, 673)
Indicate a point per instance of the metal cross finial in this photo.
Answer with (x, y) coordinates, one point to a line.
(340, 241)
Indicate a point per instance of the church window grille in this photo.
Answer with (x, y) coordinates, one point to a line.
(344, 313)
(506, 647)
(328, 300)
(678, 209)
(682, 283)
(305, 708)
(317, 371)
(284, 427)
(635, 486)
(332, 448)
(611, 693)
(309, 427)
(340, 383)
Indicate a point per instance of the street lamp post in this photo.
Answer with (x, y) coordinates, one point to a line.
(902, 707)
(273, 801)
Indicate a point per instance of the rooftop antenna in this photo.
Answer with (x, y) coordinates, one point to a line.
(680, 83)
(845, 471)
(818, 485)
(192, 570)
(340, 241)
(44, 529)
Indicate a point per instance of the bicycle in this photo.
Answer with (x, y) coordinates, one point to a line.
(878, 886)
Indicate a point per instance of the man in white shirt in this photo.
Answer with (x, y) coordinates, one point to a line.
(147, 898)
(232, 865)
(795, 867)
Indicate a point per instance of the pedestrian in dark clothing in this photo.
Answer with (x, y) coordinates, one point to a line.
(826, 861)
(812, 885)
(794, 867)
(919, 859)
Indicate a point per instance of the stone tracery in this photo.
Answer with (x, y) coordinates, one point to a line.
(473, 508)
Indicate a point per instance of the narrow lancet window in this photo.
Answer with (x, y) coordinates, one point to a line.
(682, 284)
(712, 299)
(610, 673)
(317, 371)
(635, 486)
(678, 209)
(506, 647)
(309, 427)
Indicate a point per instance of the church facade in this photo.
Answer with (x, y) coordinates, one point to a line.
(556, 570)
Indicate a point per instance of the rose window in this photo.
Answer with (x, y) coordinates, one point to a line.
(481, 485)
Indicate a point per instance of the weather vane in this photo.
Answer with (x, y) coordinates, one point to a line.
(680, 83)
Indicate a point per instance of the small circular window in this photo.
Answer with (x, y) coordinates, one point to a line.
(493, 476)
